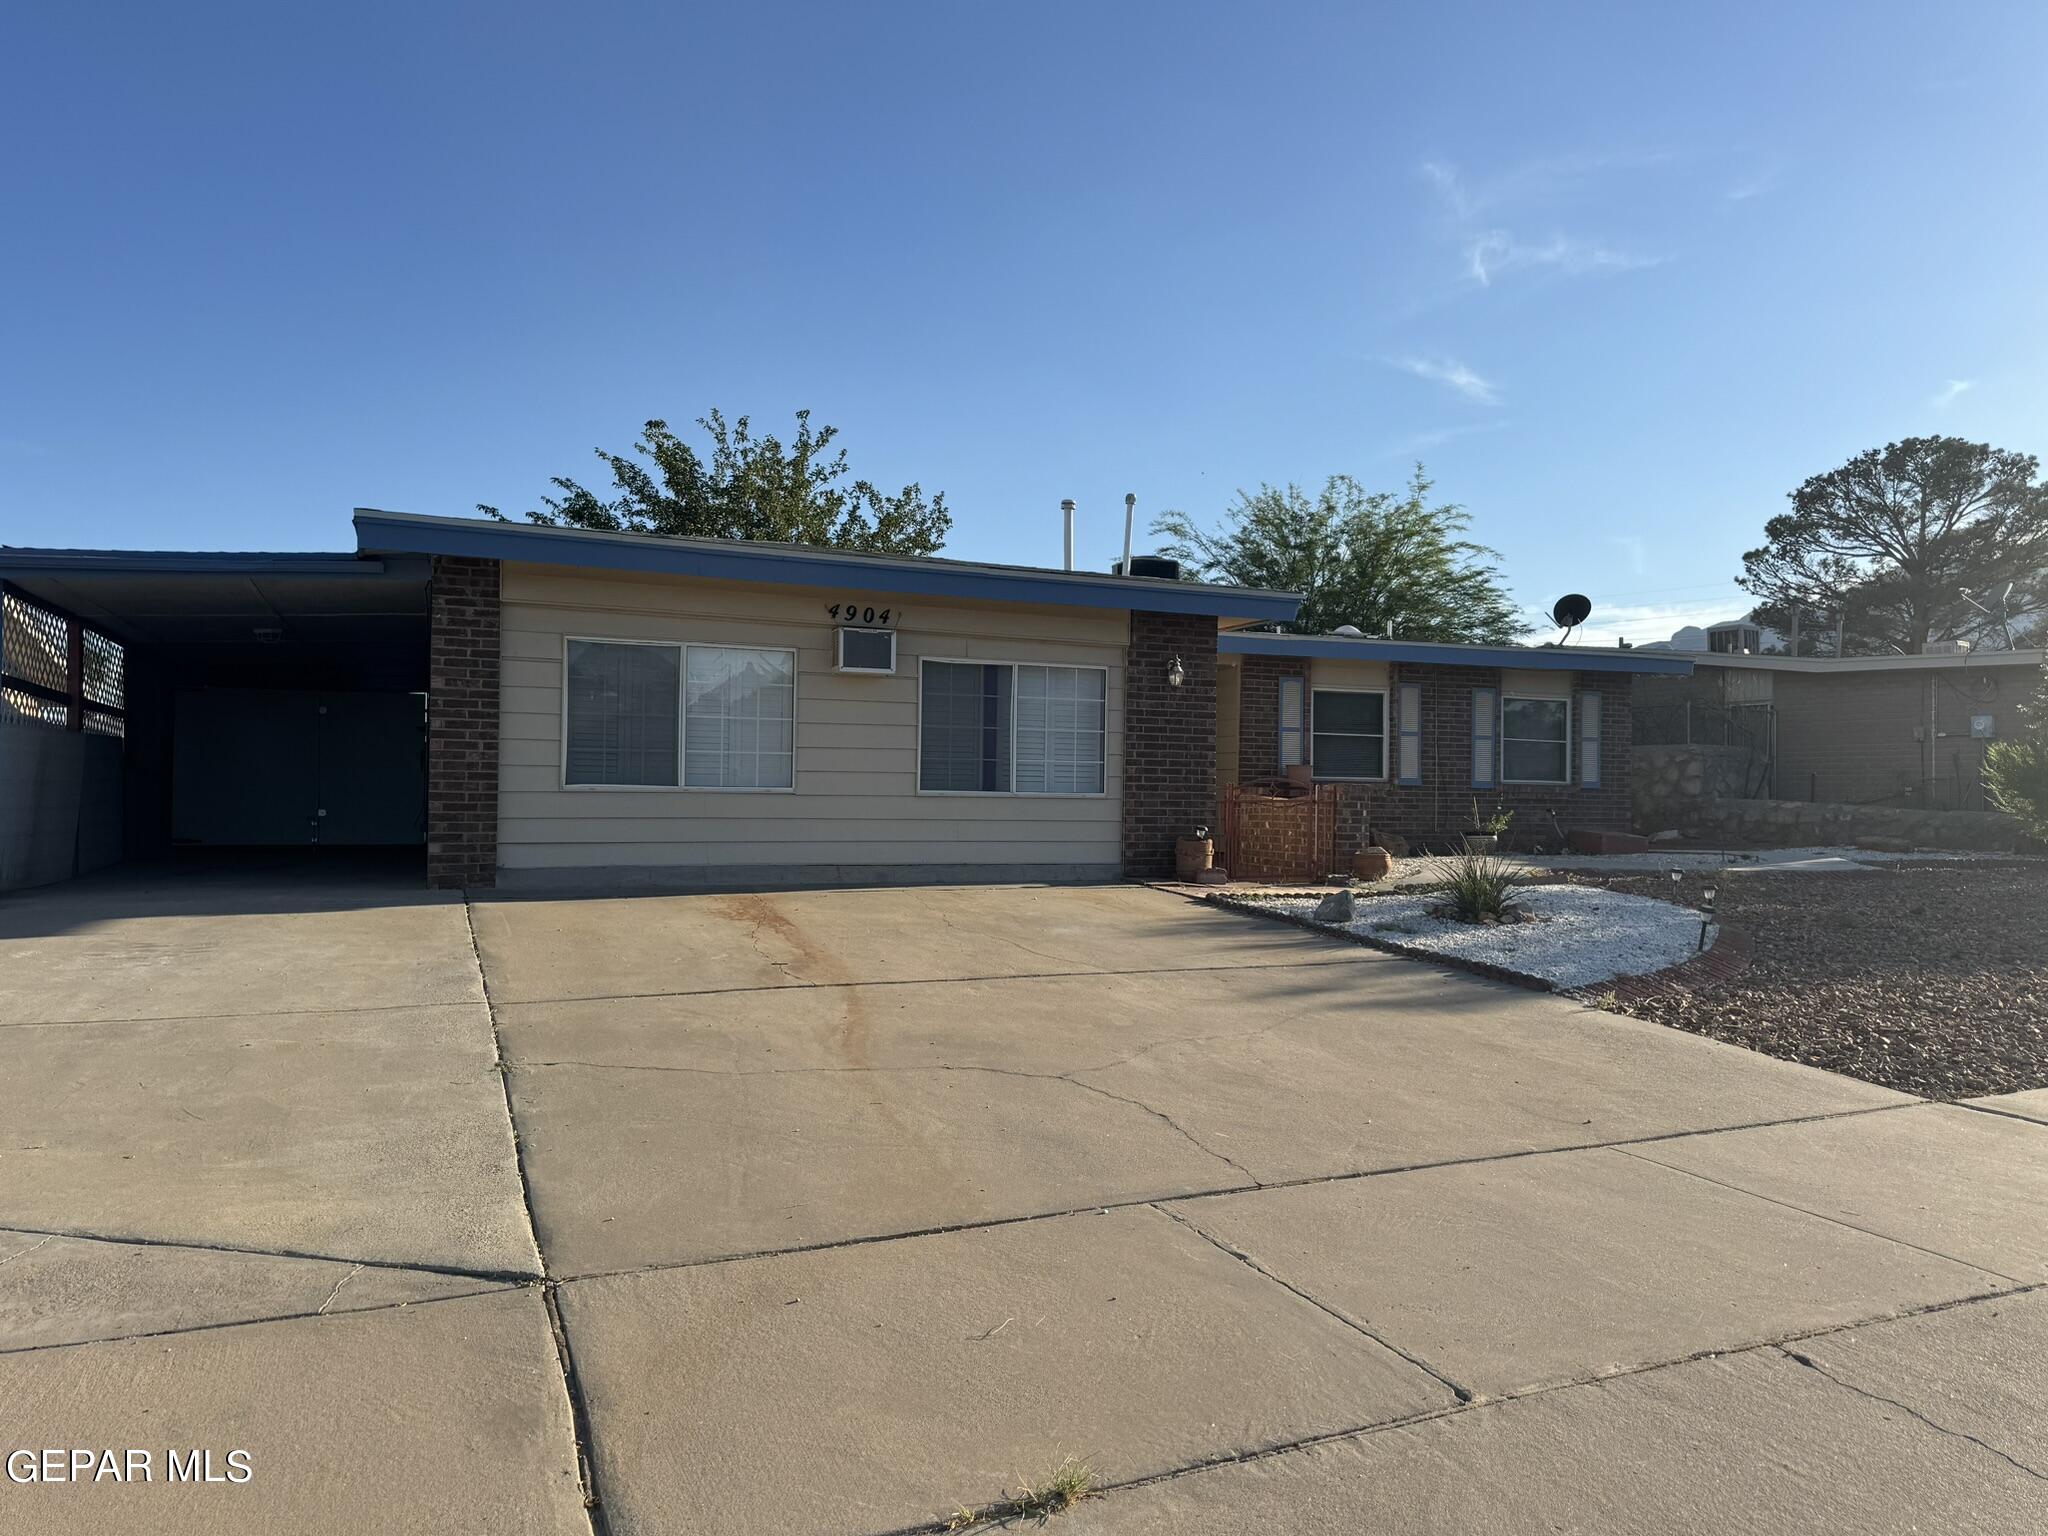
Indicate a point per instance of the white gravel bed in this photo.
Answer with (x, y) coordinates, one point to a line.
(1582, 934)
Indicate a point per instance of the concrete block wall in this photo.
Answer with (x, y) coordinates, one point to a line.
(1862, 736)
(462, 723)
(1169, 784)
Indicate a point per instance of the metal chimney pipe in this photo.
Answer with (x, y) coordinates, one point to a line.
(1130, 514)
(1067, 507)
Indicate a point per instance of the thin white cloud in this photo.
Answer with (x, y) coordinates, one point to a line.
(1419, 443)
(1950, 392)
(1497, 252)
(1452, 375)
(1491, 248)
(1751, 186)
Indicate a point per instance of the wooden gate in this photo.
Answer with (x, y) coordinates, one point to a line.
(1281, 832)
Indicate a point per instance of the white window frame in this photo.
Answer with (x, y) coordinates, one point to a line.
(683, 648)
(917, 771)
(1385, 721)
(1501, 735)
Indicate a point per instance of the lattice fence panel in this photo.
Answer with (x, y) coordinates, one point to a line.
(106, 665)
(17, 706)
(32, 642)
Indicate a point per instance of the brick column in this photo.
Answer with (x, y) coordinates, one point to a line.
(462, 723)
(1169, 738)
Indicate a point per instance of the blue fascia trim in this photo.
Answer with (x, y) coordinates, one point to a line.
(1536, 658)
(143, 562)
(786, 565)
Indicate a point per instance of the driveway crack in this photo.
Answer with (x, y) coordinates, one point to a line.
(1463, 1394)
(1907, 1408)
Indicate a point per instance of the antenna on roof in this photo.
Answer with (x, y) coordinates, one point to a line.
(1569, 612)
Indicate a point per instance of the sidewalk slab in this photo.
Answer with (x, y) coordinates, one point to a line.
(1532, 1272)
(880, 1386)
(1968, 1185)
(443, 1417)
(630, 1168)
(1976, 1370)
(368, 1135)
(536, 950)
(63, 1290)
(89, 953)
(1478, 1069)
(1752, 1443)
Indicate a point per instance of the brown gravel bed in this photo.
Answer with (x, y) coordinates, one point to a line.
(1928, 978)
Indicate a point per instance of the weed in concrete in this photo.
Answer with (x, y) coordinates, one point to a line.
(1067, 1485)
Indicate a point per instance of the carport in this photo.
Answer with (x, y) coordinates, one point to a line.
(162, 704)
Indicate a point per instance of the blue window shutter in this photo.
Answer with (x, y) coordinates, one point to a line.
(1485, 735)
(1589, 740)
(1293, 742)
(1410, 763)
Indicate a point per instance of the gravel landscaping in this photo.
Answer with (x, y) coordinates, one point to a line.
(1580, 934)
(1926, 976)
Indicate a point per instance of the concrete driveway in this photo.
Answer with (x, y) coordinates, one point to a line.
(838, 1211)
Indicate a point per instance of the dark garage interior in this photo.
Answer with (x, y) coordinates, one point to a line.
(256, 701)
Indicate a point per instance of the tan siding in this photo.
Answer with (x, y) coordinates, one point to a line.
(855, 800)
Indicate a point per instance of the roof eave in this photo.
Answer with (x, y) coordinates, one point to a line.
(1430, 653)
(789, 565)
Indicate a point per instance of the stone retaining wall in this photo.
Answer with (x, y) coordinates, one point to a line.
(1804, 823)
(1668, 782)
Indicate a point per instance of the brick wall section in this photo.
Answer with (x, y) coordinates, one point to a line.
(1169, 783)
(1440, 806)
(462, 724)
(1258, 714)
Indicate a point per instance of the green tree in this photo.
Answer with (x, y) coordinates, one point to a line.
(750, 488)
(1894, 538)
(2016, 769)
(1360, 557)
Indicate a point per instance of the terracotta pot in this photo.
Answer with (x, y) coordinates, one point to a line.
(1192, 855)
(1372, 864)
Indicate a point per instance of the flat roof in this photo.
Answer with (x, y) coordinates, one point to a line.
(1544, 658)
(1932, 661)
(380, 532)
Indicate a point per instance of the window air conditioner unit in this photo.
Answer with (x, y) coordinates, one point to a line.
(867, 650)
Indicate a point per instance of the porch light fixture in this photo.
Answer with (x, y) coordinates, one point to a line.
(1176, 674)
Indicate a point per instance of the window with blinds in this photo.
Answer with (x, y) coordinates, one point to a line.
(739, 719)
(622, 708)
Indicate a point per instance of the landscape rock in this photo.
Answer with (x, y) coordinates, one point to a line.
(1337, 907)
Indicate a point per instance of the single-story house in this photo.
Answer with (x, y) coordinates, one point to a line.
(531, 706)
(534, 705)
(1413, 734)
(1863, 730)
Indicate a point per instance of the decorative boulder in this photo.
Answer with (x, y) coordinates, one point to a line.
(1337, 907)
(1372, 864)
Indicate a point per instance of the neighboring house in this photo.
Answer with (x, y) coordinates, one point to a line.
(1414, 733)
(538, 705)
(1864, 730)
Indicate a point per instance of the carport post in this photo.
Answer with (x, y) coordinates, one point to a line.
(74, 675)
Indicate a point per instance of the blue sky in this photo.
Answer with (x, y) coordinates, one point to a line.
(1622, 276)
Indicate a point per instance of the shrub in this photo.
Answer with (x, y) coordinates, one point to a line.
(2016, 774)
(2016, 770)
(1478, 888)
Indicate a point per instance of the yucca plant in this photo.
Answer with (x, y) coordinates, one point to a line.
(1478, 888)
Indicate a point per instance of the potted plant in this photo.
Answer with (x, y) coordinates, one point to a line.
(1485, 832)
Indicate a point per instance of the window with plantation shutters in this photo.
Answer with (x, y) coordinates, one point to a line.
(622, 704)
(739, 718)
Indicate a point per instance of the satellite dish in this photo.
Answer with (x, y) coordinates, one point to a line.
(1571, 610)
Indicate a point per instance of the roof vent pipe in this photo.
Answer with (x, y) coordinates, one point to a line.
(1130, 515)
(1067, 507)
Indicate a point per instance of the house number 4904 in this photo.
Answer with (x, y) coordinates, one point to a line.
(854, 613)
